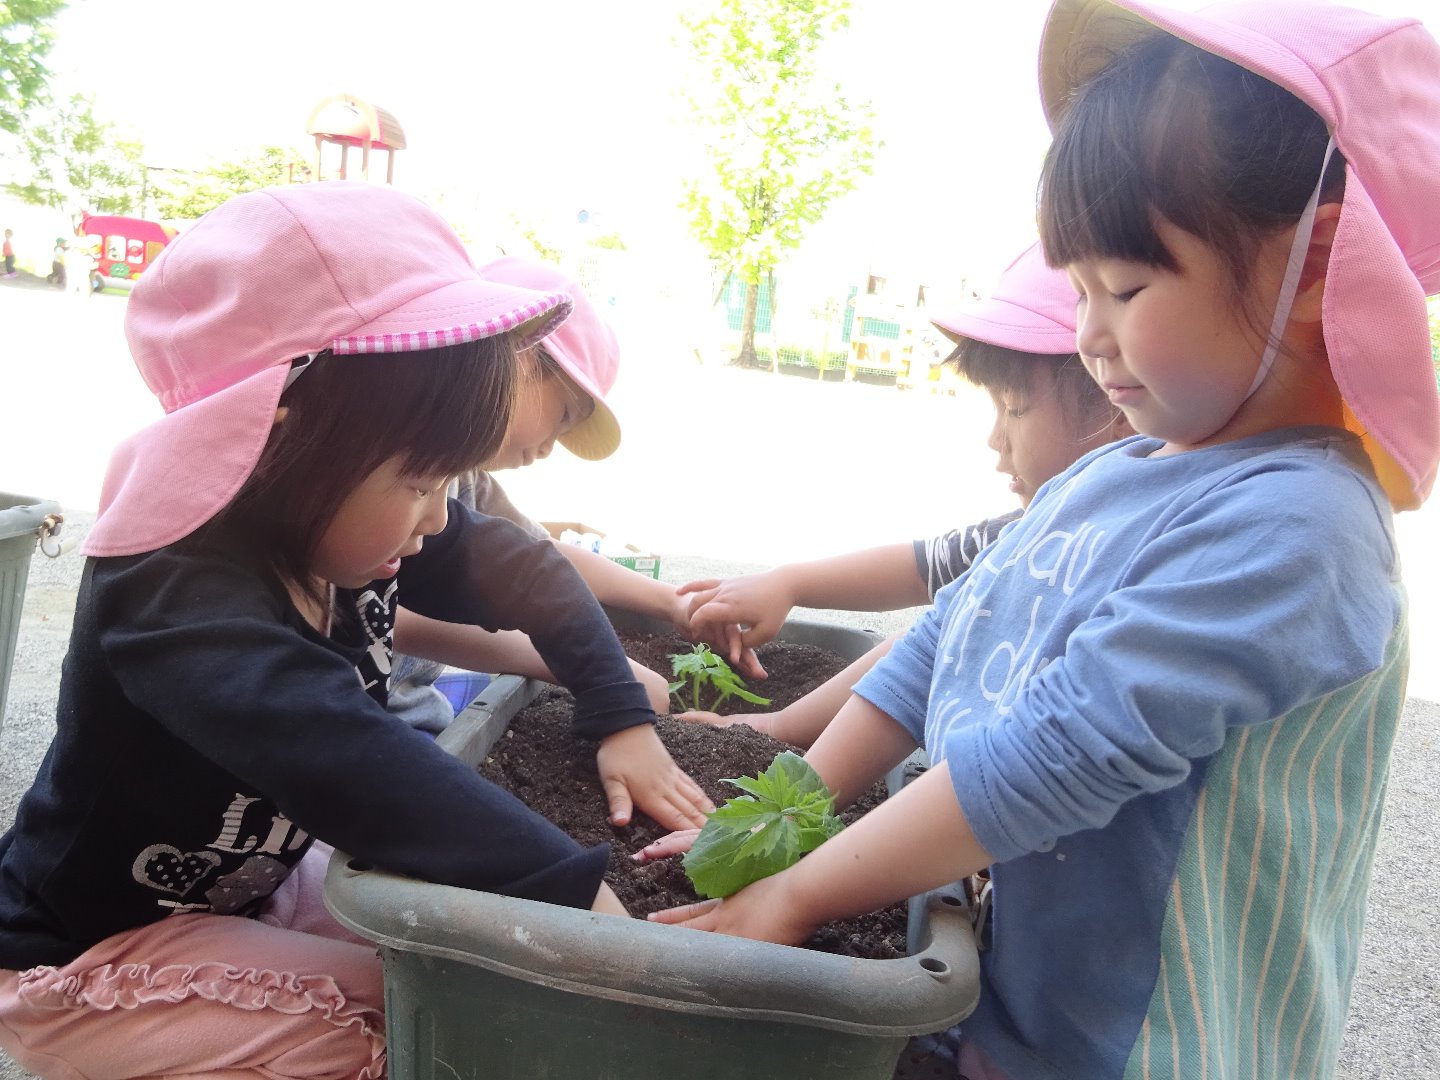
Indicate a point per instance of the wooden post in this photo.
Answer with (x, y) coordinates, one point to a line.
(319, 158)
(365, 160)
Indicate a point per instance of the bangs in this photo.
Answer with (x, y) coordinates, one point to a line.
(996, 368)
(454, 416)
(1114, 164)
(1170, 131)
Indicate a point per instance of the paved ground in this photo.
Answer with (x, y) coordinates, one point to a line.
(760, 469)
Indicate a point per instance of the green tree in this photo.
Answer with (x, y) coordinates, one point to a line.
(78, 160)
(783, 142)
(25, 38)
(186, 194)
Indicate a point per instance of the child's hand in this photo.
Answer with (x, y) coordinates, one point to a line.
(757, 602)
(725, 638)
(761, 722)
(764, 910)
(675, 843)
(637, 770)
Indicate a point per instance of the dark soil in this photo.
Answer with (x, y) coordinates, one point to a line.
(554, 774)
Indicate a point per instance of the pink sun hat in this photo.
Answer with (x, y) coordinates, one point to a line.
(584, 345)
(264, 279)
(1375, 82)
(1030, 309)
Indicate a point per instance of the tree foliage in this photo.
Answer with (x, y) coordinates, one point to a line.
(186, 195)
(77, 160)
(783, 142)
(25, 39)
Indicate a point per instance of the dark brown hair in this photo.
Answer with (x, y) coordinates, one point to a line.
(1169, 129)
(441, 411)
(1011, 372)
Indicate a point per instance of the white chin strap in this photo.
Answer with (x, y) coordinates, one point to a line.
(1290, 285)
(297, 368)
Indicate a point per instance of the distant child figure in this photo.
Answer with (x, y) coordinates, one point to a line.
(1161, 706)
(10, 270)
(79, 265)
(57, 263)
(328, 358)
(563, 385)
(1019, 344)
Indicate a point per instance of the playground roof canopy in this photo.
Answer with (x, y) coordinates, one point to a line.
(347, 119)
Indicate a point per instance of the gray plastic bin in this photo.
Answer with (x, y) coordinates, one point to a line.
(22, 521)
(481, 985)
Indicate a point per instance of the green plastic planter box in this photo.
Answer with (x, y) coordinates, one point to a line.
(480, 985)
(21, 519)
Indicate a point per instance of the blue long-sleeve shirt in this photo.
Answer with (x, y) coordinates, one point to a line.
(1093, 678)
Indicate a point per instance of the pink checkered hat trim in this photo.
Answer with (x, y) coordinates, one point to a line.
(553, 307)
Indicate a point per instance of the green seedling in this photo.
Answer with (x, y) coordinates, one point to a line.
(787, 812)
(700, 669)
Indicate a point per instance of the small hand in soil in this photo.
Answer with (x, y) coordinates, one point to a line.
(675, 843)
(637, 771)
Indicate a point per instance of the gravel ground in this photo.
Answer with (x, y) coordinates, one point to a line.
(1394, 1026)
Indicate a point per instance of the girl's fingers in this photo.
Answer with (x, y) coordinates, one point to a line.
(696, 613)
(686, 914)
(699, 716)
(734, 643)
(697, 586)
(618, 796)
(707, 585)
(698, 798)
(676, 843)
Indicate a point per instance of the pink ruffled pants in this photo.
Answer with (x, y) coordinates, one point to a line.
(289, 993)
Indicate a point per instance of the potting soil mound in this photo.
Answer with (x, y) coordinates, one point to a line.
(552, 772)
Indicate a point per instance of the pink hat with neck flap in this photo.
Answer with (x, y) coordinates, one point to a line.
(1376, 83)
(257, 283)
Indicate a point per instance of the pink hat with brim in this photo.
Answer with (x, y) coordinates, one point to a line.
(1376, 83)
(583, 345)
(1030, 309)
(258, 282)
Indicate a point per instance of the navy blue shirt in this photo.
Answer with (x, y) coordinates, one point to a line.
(205, 732)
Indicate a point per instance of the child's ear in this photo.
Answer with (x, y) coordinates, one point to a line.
(1311, 292)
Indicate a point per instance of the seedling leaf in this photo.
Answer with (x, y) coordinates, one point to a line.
(700, 668)
(787, 812)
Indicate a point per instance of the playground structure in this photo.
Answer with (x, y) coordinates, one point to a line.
(348, 121)
(123, 247)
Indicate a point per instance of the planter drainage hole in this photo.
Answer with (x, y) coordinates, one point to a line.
(935, 967)
(358, 866)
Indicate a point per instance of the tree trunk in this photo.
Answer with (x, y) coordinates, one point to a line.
(746, 357)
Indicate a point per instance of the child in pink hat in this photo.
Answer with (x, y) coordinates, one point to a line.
(222, 712)
(1160, 707)
(564, 381)
(1018, 342)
